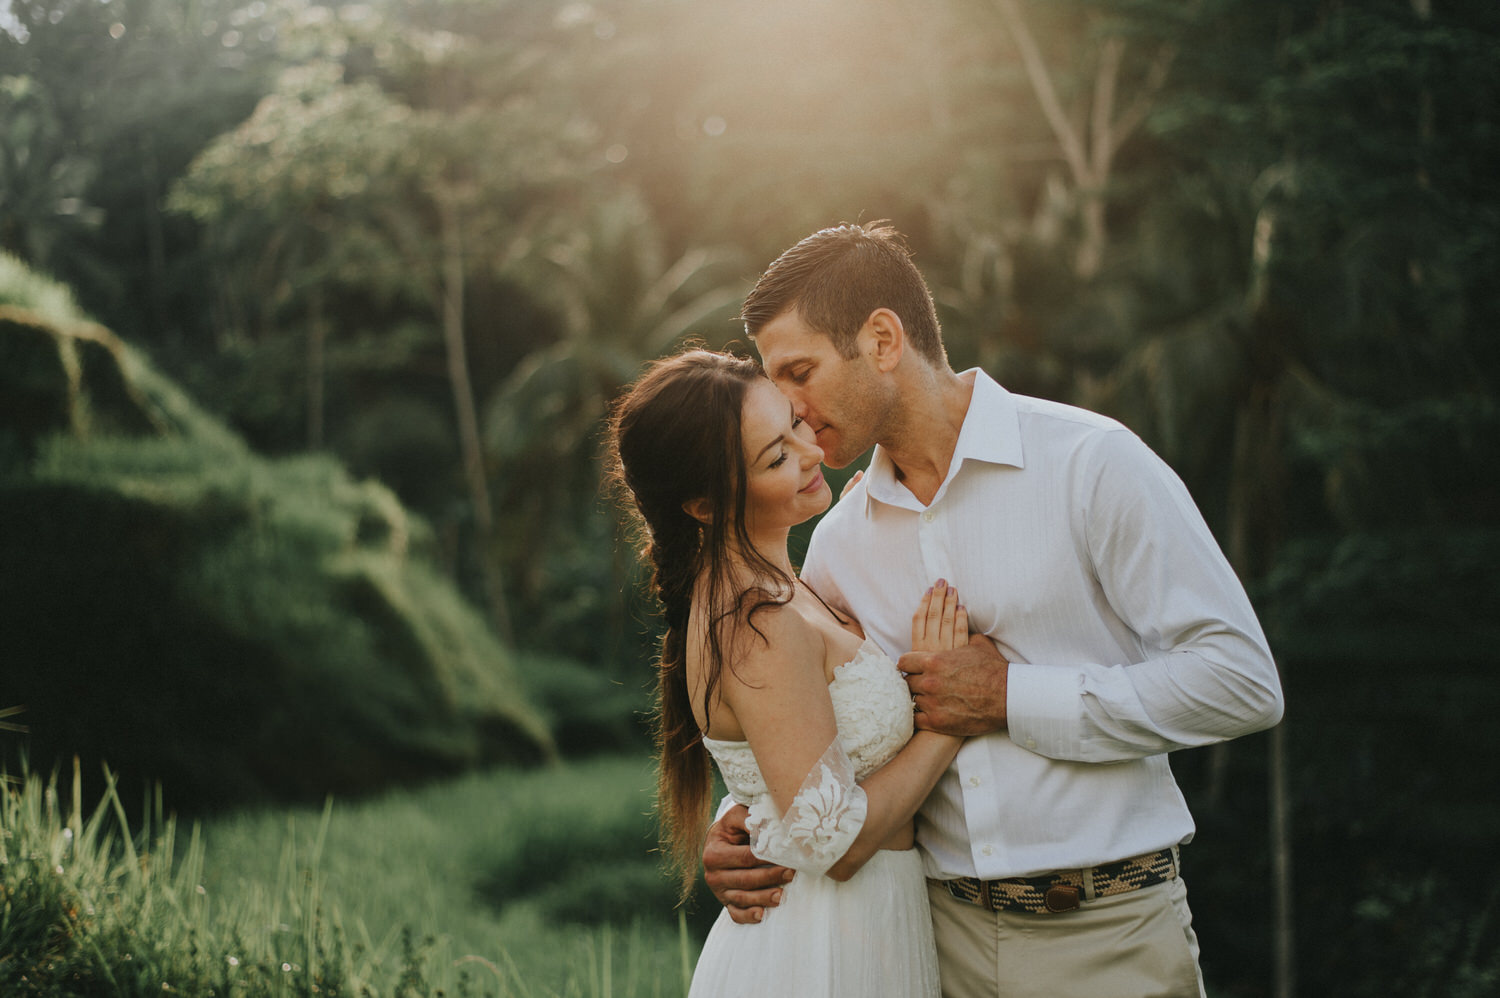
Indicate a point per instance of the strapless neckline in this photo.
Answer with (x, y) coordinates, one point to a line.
(839, 672)
(871, 707)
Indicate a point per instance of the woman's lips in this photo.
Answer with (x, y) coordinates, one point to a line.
(815, 484)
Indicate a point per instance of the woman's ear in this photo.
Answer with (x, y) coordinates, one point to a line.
(700, 510)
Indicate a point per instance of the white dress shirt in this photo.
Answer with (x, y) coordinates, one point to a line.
(1082, 556)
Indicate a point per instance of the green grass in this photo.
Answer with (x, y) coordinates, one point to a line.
(539, 884)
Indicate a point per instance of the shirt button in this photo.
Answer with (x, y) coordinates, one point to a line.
(973, 781)
(1031, 743)
(927, 516)
(988, 850)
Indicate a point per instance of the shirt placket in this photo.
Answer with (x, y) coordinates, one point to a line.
(975, 769)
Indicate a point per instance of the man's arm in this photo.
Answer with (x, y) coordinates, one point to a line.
(744, 885)
(1205, 673)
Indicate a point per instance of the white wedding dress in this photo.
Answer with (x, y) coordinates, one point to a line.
(868, 936)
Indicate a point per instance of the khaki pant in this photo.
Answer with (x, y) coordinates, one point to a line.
(1129, 945)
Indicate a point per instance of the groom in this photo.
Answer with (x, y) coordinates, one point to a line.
(1110, 631)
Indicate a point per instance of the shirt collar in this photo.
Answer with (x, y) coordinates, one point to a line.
(991, 433)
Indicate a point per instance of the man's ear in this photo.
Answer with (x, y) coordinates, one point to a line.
(883, 339)
(700, 510)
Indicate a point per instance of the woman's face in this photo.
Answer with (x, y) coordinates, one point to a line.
(784, 477)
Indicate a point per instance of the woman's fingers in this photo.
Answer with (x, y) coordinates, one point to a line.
(947, 625)
(934, 624)
(919, 623)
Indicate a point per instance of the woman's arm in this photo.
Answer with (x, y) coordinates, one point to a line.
(897, 789)
(779, 695)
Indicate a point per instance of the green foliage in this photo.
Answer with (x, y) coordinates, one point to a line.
(587, 710)
(624, 300)
(23, 287)
(254, 627)
(246, 598)
(43, 175)
(89, 907)
(284, 904)
(487, 874)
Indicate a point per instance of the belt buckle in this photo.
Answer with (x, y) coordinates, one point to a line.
(1062, 897)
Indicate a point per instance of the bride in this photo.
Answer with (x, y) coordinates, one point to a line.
(808, 721)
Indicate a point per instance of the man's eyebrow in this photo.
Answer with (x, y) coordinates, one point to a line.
(783, 367)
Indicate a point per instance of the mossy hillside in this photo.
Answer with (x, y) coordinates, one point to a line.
(236, 627)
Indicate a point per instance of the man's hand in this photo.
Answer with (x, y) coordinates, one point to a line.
(744, 885)
(958, 692)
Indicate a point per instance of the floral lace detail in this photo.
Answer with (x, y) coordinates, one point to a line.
(822, 823)
(872, 708)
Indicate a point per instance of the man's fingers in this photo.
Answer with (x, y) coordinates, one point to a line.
(912, 663)
(748, 891)
(762, 877)
(749, 907)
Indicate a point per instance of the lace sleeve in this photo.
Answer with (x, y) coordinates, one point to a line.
(822, 823)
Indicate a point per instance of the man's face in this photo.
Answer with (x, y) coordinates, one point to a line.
(840, 398)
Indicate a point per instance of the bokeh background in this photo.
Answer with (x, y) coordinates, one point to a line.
(309, 314)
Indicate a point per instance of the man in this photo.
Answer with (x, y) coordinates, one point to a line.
(1110, 630)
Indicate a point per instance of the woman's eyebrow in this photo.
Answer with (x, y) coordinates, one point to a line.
(767, 447)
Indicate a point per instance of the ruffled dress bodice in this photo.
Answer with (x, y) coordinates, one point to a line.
(871, 706)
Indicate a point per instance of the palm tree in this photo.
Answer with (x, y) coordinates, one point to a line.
(623, 299)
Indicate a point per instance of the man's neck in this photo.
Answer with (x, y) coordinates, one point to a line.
(922, 446)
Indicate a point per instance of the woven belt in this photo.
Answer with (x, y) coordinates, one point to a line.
(1067, 889)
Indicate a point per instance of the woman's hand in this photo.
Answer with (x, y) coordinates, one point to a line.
(958, 681)
(941, 623)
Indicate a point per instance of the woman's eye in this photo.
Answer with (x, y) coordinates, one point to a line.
(779, 461)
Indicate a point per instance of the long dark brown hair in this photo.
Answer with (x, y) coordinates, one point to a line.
(674, 437)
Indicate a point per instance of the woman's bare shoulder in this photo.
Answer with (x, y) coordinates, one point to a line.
(774, 643)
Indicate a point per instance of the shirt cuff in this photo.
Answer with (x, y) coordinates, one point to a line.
(1042, 709)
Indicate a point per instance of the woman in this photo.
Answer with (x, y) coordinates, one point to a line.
(810, 724)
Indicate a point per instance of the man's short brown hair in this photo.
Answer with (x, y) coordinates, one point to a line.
(836, 277)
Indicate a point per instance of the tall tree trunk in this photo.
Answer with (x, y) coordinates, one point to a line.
(1255, 523)
(156, 242)
(1088, 151)
(1284, 973)
(464, 410)
(317, 335)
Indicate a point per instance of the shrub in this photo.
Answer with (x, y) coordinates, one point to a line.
(232, 626)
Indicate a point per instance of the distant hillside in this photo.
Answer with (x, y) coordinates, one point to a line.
(236, 627)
